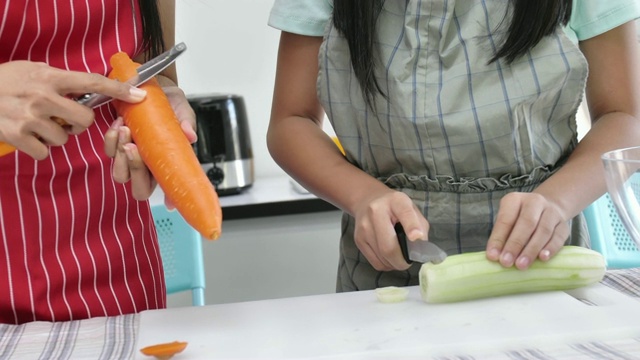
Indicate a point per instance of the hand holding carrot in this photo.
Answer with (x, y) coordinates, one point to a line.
(128, 165)
(167, 152)
(32, 93)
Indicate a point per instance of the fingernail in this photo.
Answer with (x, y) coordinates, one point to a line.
(493, 254)
(116, 123)
(545, 255)
(523, 262)
(417, 235)
(122, 136)
(137, 93)
(507, 259)
(128, 152)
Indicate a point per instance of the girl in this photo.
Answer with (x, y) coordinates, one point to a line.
(458, 121)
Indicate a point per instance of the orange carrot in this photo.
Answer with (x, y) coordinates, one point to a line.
(167, 153)
(6, 149)
(164, 351)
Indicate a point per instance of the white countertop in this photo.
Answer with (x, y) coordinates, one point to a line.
(356, 326)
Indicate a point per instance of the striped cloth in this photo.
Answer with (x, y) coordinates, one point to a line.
(116, 337)
(97, 338)
(626, 281)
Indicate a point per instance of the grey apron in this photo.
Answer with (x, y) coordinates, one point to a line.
(456, 133)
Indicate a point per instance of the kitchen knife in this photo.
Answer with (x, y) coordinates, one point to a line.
(421, 251)
(145, 71)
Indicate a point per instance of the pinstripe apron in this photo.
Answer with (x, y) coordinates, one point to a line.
(456, 133)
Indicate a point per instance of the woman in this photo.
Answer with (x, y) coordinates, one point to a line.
(77, 238)
(458, 121)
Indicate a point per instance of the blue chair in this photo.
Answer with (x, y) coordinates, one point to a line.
(181, 250)
(609, 235)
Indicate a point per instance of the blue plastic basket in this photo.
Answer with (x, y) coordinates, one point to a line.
(181, 250)
(609, 235)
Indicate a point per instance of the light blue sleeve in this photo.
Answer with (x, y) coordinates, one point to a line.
(303, 17)
(591, 18)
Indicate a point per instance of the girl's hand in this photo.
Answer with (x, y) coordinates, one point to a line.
(375, 235)
(528, 226)
(128, 164)
(32, 94)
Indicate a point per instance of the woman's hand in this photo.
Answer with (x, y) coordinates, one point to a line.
(528, 226)
(32, 93)
(127, 164)
(375, 235)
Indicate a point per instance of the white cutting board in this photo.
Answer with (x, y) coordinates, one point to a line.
(355, 325)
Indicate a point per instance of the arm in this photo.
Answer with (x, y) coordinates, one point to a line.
(312, 158)
(534, 225)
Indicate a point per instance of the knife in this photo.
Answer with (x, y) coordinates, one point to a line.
(145, 72)
(420, 251)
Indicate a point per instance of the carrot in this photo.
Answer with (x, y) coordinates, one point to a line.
(165, 350)
(167, 153)
(338, 144)
(6, 149)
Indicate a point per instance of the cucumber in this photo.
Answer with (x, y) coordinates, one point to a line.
(391, 294)
(471, 276)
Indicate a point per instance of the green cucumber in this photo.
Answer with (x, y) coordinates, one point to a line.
(472, 276)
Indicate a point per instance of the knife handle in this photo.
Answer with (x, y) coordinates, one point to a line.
(402, 240)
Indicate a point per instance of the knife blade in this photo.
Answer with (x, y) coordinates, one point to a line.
(420, 251)
(145, 71)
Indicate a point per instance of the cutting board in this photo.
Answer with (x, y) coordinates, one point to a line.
(357, 326)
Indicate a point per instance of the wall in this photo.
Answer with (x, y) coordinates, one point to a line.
(231, 49)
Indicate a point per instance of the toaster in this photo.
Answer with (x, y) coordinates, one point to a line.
(224, 143)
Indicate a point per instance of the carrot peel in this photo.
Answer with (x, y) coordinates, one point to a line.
(164, 351)
(166, 151)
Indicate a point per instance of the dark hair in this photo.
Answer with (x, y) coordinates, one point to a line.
(152, 37)
(356, 21)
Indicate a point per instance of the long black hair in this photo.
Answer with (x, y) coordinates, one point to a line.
(152, 37)
(356, 21)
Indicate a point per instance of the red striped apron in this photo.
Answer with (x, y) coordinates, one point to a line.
(73, 243)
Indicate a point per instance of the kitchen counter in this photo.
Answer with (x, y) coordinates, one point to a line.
(601, 321)
(270, 196)
(356, 325)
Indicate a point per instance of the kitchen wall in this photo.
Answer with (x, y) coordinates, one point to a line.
(231, 50)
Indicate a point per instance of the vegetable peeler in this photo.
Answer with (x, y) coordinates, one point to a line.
(145, 71)
(421, 251)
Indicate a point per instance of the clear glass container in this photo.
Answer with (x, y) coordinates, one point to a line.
(622, 174)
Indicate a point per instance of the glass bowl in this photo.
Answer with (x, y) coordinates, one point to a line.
(622, 174)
